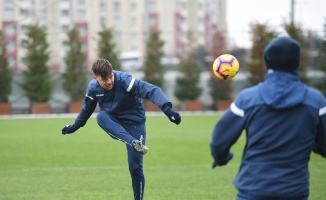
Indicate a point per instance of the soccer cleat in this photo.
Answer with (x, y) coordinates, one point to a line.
(139, 147)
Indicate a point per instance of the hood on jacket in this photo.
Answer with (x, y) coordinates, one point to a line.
(282, 89)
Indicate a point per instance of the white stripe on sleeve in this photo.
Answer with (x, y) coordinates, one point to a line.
(131, 84)
(322, 111)
(89, 96)
(236, 110)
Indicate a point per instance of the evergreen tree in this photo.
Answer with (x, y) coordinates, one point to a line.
(295, 32)
(106, 48)
(220, 89)
(153, 69)
(5, 73)
(187, 82)
(241, 55)
(322, 63)
(261, 36)
(74, 77)
(37, 83)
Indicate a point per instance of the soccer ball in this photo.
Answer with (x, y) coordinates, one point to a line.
(225, 67)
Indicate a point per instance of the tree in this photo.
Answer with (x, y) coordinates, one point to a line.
(74, 78)
(37, 83)
(242, 56)
(153, 69)
(187, 82)
(295, 32)
(261, 36)
(106, 48)
(219, 89)
(322, 63)
(5, 73)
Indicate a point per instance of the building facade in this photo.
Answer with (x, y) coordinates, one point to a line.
(131, 21)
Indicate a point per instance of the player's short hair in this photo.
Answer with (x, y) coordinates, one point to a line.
(102, 67)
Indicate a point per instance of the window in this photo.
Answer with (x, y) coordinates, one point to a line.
(116, 7)
(64, 45)
(10, 30)
(82, 31)
(133, 20)
(152, 21)
(65, 13)
(103, 21)
(116, 21)
(133, 35)
(180, 34)
(9, 14)
(102, 7)
(10, 46)
(23, 29)
(200, 34)
(64, 28)
(81, 15)
(150, 6)
(180, 20)
(44, 14)
(200, 6)
(201, 20)
(81, 2)
(133, 48)
(117, 36)
(83, 47)
(180, 5)
(24, 12)
(9, 1)
(12, 62)
(133, 6)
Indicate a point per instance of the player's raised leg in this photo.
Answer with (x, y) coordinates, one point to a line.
(113, 128)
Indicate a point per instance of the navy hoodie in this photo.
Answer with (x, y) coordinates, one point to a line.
(284, 121)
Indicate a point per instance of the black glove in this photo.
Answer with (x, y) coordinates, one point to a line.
(69, 129)
(224, 162)
(173, 116)
(214, 164)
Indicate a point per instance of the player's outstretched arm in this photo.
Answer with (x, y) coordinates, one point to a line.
(155, 94)
(85, 113)
(224, 136)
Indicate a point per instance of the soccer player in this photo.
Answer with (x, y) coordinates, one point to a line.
(122, 114)
(284, 120)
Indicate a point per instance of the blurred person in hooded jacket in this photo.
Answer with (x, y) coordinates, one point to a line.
(284, 121)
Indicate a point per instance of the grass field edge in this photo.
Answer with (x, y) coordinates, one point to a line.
(74, 115)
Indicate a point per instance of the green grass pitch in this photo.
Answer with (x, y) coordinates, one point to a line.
(37, 162)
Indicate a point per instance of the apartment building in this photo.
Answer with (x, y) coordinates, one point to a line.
(131, 21)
